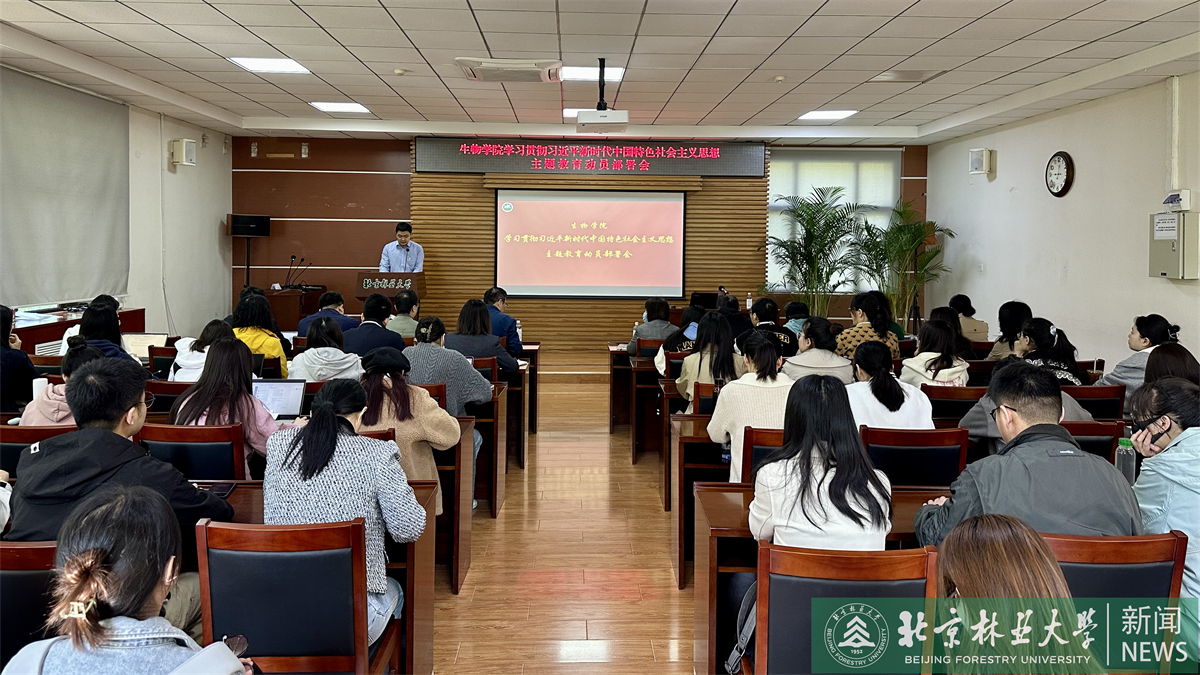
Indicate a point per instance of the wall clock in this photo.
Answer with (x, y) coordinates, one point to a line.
(1060, 173)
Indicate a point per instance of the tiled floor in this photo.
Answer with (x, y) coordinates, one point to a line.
(574, 576)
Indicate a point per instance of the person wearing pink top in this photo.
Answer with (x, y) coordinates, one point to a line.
(49, 408)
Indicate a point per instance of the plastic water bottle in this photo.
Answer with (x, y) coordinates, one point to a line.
(635, 325)
(749, 301)
(520, 336)
(1127, 459)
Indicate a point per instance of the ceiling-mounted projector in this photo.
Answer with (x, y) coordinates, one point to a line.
(602, 121)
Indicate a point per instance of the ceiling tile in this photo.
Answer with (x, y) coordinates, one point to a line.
(864, 62)
(964, 77)
(1156, 31)
(1189, 13)
(848, 26)
(177, 49)
(140, 32)
(1064, 65)
(1041, 9)
(751, 25)
(798, 61)
(728, 61)
(933, 62)
(139, 63)
(517, 22)
(779, 8)
(262, 51)
(688, 7)
(106, 48)
(231, 34)
(854, 76)
(184, 14)
(893, 46)
(372, 37)
(576, 23)
(888, 8)
(1042, 48)
(921, 26)
(818, 45)
(1000, 64)
(663, 44)
(953, 8)
(519, 41)
(588, 58)
(323, 68)
(304, 53)
(269, 15)
(95, 12)
(1026, 77)
(514, 5)
(661, 60)
(701, 25)
(1130, 10)
(654, 75)
(23, 10)
(957, 47)
(1001, 29)
(432, 19)
(743, 45)
(1107, 50)
(64, 31)
(1080, 30)
(460, 40)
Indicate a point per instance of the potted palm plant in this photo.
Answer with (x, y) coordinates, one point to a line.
(816, 259)
(901, 258)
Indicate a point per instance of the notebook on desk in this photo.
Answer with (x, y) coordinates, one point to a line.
(139, 344)
(282, 398)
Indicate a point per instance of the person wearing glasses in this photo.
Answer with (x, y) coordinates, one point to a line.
(503, 325)
(1040, 475)
(108, 400)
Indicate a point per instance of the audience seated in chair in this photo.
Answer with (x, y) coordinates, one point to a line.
(1011, 316)
(878, 399)
(333, 306)
(326, 473)
(1045, 345)
(473, 336)
(224, 394)
(1166, 419)
(107, 399)
(274, 326)
(323, 358)
(102, 329)
(973, 329)
(795, 500)
(408, 310)
(102, 300)
(252, 322)
(797, 316)
(816, 355)
(712, 361)
(763, 314)
(962, 345)
(16, 370)
(1147, 335)
(503, 325)
(50, 408)
(420, 424)
(756, 399)
(1172, 360)
(728, 307)
(118, 558)
(682, 340)
(872, 321)
(938, 362)
(1040, 475)
(373, 332)
(190, 353)
(656, 323)
(982, 427)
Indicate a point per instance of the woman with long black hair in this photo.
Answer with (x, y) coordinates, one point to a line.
(252, 324)
(1045, 345)
(820, 489)
(1011, 316)
(872, 321)
(323, 357)
(190, 353)
(937, 363)
(712, 361)
(325, 472)
(101, 327)
(880, 400)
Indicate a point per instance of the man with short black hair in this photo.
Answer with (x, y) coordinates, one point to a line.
(333, 306)
(408, 310)
(372, 333)
(763, 314)
(503, 325)
(404, 254)
(1040, 476)
(108, 401)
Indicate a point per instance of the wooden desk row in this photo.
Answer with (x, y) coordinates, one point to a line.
(33, 334)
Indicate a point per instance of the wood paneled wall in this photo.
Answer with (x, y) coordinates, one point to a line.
(336, 207)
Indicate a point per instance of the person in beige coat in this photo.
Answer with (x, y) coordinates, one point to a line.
(936, 363)
(420, 424)
(817, 357)
(973, 329)
(713, 361)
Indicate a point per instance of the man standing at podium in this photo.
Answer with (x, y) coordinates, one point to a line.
(404, 254)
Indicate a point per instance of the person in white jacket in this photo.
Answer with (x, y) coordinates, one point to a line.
(820, 489)
(323, 358)
(756, 399)
(878, 399)
(936, 363)
(817, 346)
(190, 353)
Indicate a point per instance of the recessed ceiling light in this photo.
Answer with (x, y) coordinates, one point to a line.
(336, 107)
(574, 112)
(591, 73)
(269, 65)
(827, 114)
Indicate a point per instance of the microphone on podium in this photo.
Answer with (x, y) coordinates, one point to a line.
(295, 273)
(288, 278)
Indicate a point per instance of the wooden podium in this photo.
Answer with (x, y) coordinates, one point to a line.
(290, 305)
(389, 283)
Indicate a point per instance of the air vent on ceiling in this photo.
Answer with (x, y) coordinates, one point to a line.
(510, 70)
(907, 75)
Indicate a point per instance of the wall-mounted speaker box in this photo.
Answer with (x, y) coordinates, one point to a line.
(248, 226)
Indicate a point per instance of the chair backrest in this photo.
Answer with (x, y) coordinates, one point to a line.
(1093, 364)
(310, 394)
(982, 348)
(165, 393)
(487, 367)
(952, 403)
(1104, 567)
(381, 435)
(1098, 438)
(171, 340)
(199, 452)
(26, 572)
(908, 348)
(897, 367)
(1105, 402)
(299, 341)
(408, 342)
(757, 444)
(437, 391)
(15, 439)
(704, 398)
(790, 578)
(256, 363)
(979, 373)
(297, 592)
(504, 343)
(161, 360)
(647, 347)
(47, 365)
(675, 363)
(932, 457)
(271, 369)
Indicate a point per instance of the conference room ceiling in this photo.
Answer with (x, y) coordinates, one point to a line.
(688, 62)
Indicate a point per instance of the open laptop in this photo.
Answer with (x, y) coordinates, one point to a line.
(139, 344)
(282, 398)
(704, 300)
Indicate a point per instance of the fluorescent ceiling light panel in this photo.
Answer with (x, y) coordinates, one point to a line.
(333, 107)
(592, 74)
(827, 114)
(269, 65)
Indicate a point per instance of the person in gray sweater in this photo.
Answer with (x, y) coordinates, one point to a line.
(981, 427)
(473, 336)
(1147, 333)
(1040, 476)
(656, 324)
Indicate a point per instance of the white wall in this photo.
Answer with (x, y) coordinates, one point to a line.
(1080, 261)
(180, 257)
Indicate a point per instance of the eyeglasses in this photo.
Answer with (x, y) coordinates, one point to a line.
(148, 399)
(997, 408)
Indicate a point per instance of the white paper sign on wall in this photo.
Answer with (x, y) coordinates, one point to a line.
(1166, 226)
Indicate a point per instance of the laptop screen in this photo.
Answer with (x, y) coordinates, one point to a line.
(139, 344)
(282, 397)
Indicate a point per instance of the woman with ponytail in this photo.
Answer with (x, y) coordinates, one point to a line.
(713, 361)
(117, 559)
(50, 407)
(324, 472)
(1148, 333)
(880, 400)
(1045, 345)
(872, 321)
(756, 399)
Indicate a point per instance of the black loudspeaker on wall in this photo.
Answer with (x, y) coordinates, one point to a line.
(248, 226)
